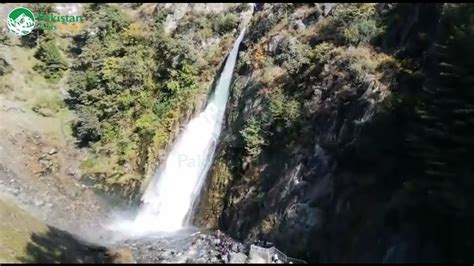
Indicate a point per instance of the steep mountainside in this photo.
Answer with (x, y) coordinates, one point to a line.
(325, 150)
(348, 135)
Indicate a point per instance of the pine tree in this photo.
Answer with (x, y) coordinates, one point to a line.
(442, 138)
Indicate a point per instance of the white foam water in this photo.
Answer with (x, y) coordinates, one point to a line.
(169, 198)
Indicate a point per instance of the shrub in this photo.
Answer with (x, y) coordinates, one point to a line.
(321, 52)
(52, 64)
(363, 62)
(276, 103)
(263, 22)
(270, 75)
(244, 62)
(282, 108)
(196, 23)
(253, 137)
(110, 69)
(357, 23)
(47, 103)
(225, 23)
(292, 54)
(361, 31)
(88, 164)
(87, 127)
(134, 33)
(106, 20)
(146, 123)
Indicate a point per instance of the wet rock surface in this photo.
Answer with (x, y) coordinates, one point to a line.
(198, 247)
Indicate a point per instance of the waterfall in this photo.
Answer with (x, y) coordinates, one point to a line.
(169, 197)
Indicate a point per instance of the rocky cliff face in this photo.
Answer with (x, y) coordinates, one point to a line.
(312, 143)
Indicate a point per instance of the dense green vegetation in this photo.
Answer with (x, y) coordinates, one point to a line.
(253, 139)
(133, 84)
(114, 90)
(440, 137)
(357, 23)
(52, 63)
(225, 22)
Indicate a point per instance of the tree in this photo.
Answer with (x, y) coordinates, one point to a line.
(52, 62)
(253, 138)
(441, 140)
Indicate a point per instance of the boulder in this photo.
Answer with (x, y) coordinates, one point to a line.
(274, 42)
(259, 255)
(298, 24)
(238, 258)
(236, 247)
(39, 202)
(120, 255)
(327, 7)
(5, 67)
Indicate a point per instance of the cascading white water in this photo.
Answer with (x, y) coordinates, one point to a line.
(176, 184)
